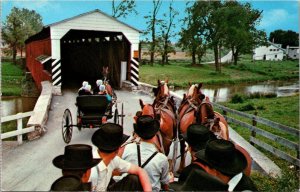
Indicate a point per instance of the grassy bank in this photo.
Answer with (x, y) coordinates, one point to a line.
(181, 73)
(12, 76)
(284, 110)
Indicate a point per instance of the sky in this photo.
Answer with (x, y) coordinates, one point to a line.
(276, 14)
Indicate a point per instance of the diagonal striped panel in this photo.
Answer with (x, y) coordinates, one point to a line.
(134, 72)
(56, 72)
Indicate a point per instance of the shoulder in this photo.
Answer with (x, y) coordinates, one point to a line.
(161, 156)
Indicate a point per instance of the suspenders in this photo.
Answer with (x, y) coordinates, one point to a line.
(139, 156)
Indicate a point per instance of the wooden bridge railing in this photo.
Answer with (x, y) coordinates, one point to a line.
(255, 130)
(20, 130)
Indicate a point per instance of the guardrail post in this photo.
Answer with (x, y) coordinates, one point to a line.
(254, 123)
(225, 114)
(19, 128)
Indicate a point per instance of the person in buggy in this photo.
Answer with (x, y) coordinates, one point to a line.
(85, 89)
(102, 91)
(96, 90)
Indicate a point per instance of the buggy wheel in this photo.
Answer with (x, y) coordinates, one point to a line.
(116, 116)
(67, 128)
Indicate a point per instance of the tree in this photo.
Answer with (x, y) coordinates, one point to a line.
(151, 28)
(285, 38)
(19, 25)
(241, 35)
(191, 37)
(166, 33)
(123, 9)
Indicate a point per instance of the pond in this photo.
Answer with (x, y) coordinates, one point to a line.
(224, 93)
(14, 105)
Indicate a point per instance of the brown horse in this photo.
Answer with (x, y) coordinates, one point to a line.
(195, 108)
(163, 109)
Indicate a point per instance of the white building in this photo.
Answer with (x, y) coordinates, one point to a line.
(292, 52)
(273, 52)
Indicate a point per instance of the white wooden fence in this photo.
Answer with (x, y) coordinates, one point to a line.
(20, 130)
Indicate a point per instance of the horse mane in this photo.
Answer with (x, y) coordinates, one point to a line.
(209, 110)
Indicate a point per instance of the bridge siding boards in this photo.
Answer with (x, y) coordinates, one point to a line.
(34, 50)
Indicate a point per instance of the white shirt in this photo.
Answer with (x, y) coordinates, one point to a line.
(157, 168)
(101, 174)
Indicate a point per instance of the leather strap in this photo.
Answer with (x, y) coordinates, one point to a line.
(138, 154)
(149, 159)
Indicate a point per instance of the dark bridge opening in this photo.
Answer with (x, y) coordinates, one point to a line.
(84, 53)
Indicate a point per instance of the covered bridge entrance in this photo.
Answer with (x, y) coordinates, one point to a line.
(84, 53)
(75, 49)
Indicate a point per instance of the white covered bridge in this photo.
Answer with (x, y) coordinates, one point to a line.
(77, 48)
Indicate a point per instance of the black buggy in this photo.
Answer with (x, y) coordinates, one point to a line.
(92, 112)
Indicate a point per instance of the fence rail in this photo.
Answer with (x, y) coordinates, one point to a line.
(255, 130)
(20, 130)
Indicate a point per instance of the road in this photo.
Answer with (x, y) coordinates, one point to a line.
(29, 167)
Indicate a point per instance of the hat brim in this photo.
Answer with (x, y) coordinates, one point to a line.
(237, 165)
(61, 163)
(109, 146)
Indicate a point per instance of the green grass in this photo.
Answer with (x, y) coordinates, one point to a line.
(275, 69)
(181, 73)
(12, 76)
(284, 110)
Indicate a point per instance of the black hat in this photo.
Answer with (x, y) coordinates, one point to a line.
(146, 127)
(76, 157)
(67, 183)
(223, 156)
(198, 180)
(109, 137)
(197, 136)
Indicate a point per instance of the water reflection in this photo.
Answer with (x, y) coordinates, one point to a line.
(14, 105)
(224, 93)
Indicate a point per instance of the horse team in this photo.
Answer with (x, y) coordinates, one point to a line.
(194, 108)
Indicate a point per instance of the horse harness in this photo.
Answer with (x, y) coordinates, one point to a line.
(164, 107)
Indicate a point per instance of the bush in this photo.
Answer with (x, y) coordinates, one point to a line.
(270, 95)
(261, 107)
(257, 95)
(237, 99)
(248, 107)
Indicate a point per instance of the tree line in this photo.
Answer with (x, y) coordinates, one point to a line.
(207, 25)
